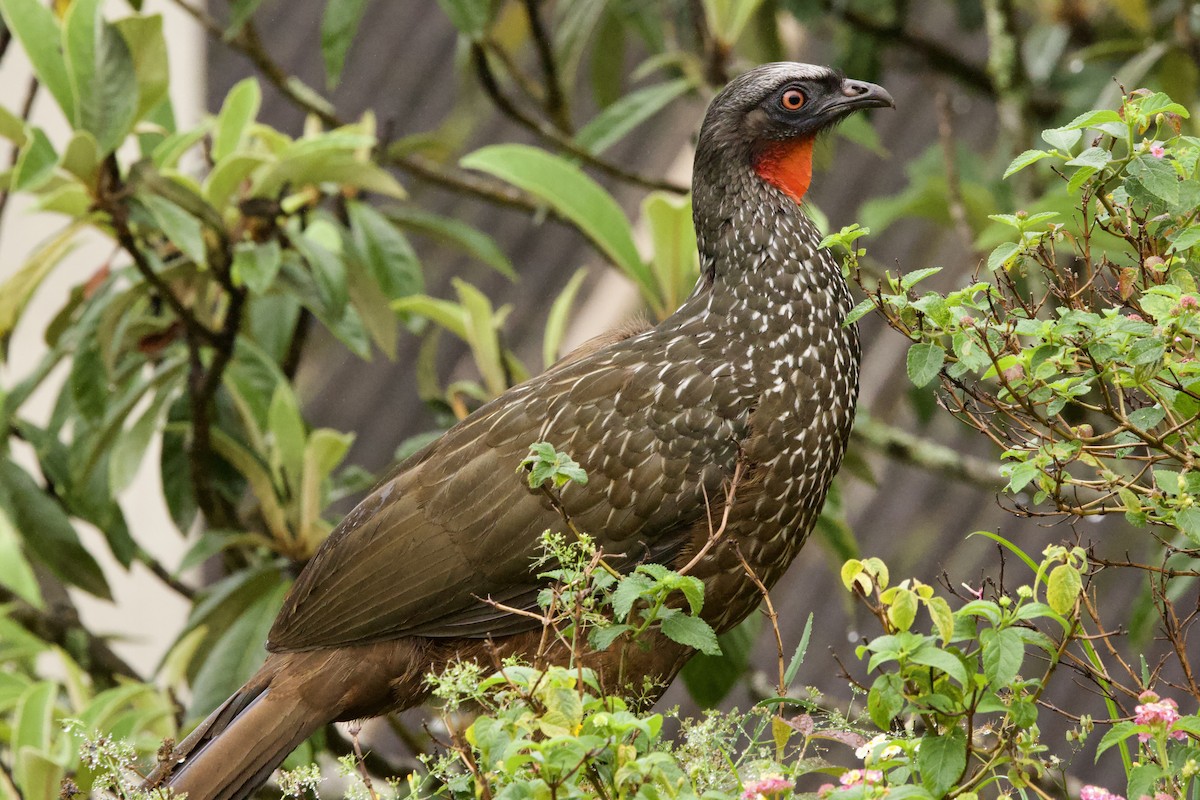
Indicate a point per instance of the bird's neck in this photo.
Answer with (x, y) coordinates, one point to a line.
(786, 165)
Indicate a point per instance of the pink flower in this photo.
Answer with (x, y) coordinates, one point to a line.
(825, 790)
(1136, 317)
(1157, 150)
(1189, 302)
(1090, 792)
(1155, 713)
(755, 790)
(856, 776)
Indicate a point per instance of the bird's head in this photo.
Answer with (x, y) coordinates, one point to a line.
(770, 117)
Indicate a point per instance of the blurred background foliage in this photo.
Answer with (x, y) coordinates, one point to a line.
(445, 190)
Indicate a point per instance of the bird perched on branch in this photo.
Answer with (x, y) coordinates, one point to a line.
(754, 375)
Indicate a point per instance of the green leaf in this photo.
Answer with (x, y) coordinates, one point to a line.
(324, 450)
(1090, 119)
(1096, 157)
(16, 291)
(34, 26)
(942, 760)
(556, 320)
(48, 533)
(103, 79)
(942, 616)
(241, 12)
(690, 631)
(797, 659)
(935, 657)
(1188, 521)
(612, 124)
(35, 163)
(628, 591)
(911, 279)
(925, 362)
(15, 573)
(576, 197)
(1115, 735)
(1063, 588)
(1003, 654)
(237, 113)
(1185, 240)
(859, 311)
(378, 245)
(455, 232)
(288, 433)
(885, 700)
(237, 654)
(179, 226)
(12, 127)
(1024, 160)
(1061, 138)
(676, 264)
(468, 16)
(339, 24)
(1003, 255)
(728, 18)
(256, 265)
(32, 728)
(126, 455)
(148, 47)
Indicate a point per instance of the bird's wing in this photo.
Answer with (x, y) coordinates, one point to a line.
(458, 523)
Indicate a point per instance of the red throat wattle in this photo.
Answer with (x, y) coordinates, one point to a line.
(787, 165)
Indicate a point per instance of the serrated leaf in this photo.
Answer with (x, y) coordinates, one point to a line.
(911, 279)
(932, 656)
(690, 631)
(1063, 588)
(1090, 119)
(1096, 157)
(1188, 521)
(942, 760)
(1061, 139)
(628, 590)
(885, 700)
(924, 362)
(858, 312)
(1002, 255)
(1003, 654)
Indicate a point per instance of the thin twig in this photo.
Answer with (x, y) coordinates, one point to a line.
(556, 106)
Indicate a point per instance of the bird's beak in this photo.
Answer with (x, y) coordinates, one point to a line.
(858, 94)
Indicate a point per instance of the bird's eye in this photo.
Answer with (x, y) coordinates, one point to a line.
(792, 99)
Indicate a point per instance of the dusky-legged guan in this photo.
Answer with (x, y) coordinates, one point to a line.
(755, 371)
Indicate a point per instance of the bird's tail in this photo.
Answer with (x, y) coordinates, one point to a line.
(236, 749)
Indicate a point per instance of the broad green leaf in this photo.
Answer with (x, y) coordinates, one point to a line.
(35, 163)
(885, 699)
(947, 662)
(482, 329)
(179, 226)
(327, 268)
(259, 478)
(237, 113)
(676, 264)
(942, 616)
(1003, 654)
(1003, 255)
(34, 26)
(1185, 240)
(1090, 119)
(144, 37)
(1063, 588)
(47, 531)
(288, 434)
(455, 232)
(942, 760)
(324, 450)
(612, 124)
(339, 24)
(445, 313)
(1024, 160)
(12, 127)
(556, 320)
(1188, 521)
(103, 79)
(15, 573)
(167, 153)
(81, 157)
(326, 160)
(924, 362)
(1096, 157)
(127, 452)
(16, 291)
(576, 197)
(228, 176)
(690, 631)
(386, 253)
(1061, 138)
(255, 265)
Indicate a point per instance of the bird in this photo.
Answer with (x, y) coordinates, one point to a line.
(753, 378)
